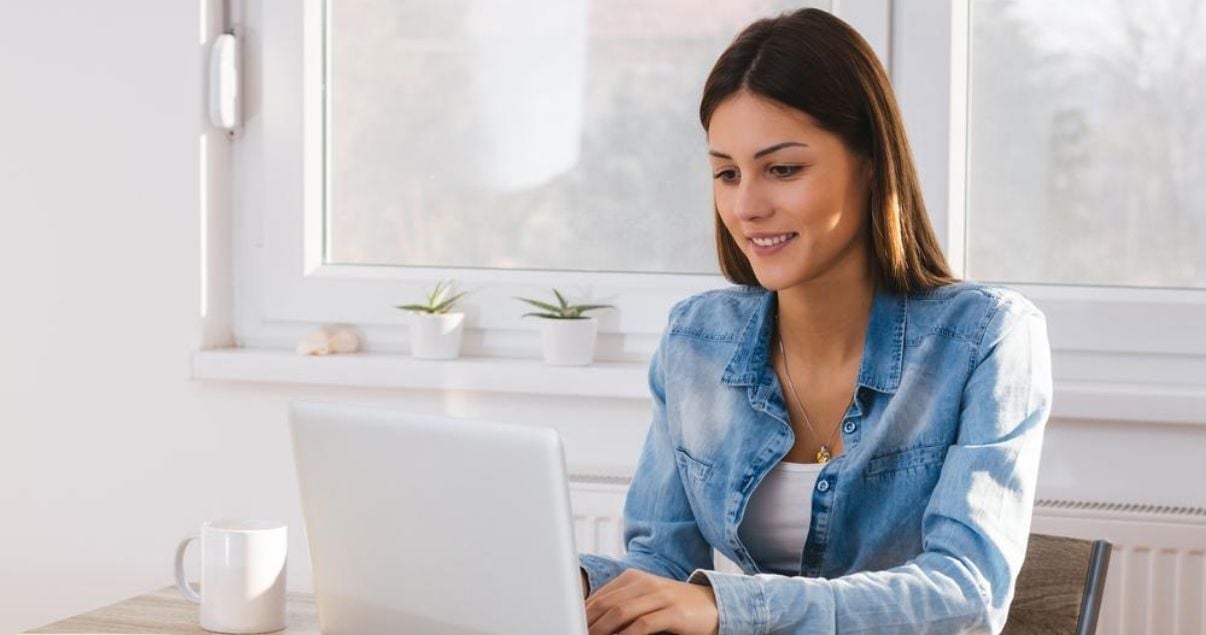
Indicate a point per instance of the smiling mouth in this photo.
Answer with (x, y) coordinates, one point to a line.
(774, 240)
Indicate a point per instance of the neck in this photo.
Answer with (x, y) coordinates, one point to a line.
(824, 321)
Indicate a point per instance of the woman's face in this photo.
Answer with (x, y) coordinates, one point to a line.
(782, 180)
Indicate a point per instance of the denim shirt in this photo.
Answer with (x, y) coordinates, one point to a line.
(921, 523)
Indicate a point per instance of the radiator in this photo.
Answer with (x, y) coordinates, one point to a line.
(1157, 570)
(1157, 577)
(598, 509)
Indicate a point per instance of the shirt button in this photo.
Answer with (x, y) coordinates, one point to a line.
(849, 427)
(823, 486)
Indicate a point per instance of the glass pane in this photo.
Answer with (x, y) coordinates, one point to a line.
(529, 134)
(1087, 145)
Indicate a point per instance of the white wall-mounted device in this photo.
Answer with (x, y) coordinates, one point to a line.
(225, 100)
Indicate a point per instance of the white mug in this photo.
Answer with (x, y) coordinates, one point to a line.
(242, 576)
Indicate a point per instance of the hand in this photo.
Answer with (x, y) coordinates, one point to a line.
(638, 603)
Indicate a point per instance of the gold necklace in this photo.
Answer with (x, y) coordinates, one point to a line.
(823, 454)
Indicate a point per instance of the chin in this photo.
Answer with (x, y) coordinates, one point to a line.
(777, 281)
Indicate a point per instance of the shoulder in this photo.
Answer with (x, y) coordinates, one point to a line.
(719, 314)
(974, 311)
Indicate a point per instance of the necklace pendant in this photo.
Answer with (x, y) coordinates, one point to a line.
(823, 455)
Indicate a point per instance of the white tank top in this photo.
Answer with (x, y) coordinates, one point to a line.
(775, 524)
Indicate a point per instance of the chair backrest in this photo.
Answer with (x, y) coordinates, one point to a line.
(1060, 586)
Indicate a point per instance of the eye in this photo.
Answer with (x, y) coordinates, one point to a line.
(784, 170)
(725, 175)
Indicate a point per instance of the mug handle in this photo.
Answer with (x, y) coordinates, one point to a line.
(186, 589)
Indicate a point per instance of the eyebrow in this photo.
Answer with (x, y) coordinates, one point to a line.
(763, 151)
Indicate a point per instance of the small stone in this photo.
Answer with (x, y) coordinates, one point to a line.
(344, 340)
(317, 342)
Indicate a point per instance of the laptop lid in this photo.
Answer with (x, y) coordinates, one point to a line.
(429, 524)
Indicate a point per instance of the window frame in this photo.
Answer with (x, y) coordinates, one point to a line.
(1104, 366)
(285, 287)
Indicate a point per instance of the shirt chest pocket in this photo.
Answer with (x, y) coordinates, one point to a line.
(692, 469)
(917, 459)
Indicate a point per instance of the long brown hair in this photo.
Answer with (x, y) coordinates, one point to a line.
(816, 63)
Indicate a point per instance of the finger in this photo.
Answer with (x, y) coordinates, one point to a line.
(618, 597)
(623, 588)
(655, 622)
(622, 615)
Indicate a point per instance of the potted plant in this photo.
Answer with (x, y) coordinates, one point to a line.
(568, 336)
(435, 329)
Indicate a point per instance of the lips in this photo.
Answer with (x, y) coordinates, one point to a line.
(767, 250)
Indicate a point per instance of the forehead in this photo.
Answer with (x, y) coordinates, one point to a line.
(745, 123)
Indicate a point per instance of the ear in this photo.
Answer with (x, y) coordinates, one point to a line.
(868, 171)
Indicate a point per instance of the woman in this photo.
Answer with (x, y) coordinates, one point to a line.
(851, 425)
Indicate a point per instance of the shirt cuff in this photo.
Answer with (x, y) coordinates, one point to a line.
(740, 602)
(599, 569)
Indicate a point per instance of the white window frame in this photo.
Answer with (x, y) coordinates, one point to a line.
(1118, 352)
(1105, 367)
(287, 286)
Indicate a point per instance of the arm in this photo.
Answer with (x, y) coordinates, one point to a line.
(974, 528)
(659, 526)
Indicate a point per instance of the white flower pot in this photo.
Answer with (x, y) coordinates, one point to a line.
(569, 342)
(436, 336)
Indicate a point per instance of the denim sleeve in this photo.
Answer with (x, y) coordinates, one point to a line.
(974, 529)
(660, 532)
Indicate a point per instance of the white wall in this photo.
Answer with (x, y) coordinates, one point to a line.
(108, 453)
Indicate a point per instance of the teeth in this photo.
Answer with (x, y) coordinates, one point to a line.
(770, 242)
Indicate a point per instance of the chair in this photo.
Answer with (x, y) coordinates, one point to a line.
(1060, 586)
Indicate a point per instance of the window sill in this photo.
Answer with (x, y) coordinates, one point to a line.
(382, 370)
(1093, 400)
(1129, 401)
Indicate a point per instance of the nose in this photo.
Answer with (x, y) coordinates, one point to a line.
(749, 201)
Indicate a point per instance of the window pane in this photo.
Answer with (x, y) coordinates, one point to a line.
(1087, 144)
(532, 134)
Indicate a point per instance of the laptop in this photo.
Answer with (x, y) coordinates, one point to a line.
(430, 524)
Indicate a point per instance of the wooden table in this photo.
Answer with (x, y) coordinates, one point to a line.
(165, 612)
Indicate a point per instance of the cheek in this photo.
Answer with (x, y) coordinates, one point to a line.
(733, 228)
(819, 201)
(804, 202)
(724, 207)
(724, 200)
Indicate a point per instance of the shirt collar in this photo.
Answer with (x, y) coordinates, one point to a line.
(883, 346)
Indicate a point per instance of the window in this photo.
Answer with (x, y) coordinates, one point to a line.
(1054, 159)
(1085, 143)
(987, 89)
(381, 156)
(523, 135)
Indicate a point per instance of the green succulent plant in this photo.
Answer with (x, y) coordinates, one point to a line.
(438, 301)
(563, 310)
